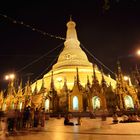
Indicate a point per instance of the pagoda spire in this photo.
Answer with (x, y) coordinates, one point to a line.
(35, 90)
(68, 57)
(129, 81)
(52, 82)
(77, 76)
(119, 67)
(94, 80)
(43, 83)
(1, 94)
(65, 87)
(42, 89)
(1, 98)
(77, 80)
(120, 75)
(70, 17)
(28, 90)
(20, 85)
(136, 76)
(20, 89)
(88, 82)
(103, 79)
(71, 31)
(11, 89)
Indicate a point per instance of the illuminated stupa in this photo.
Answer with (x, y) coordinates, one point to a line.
(74, 85)
(70, 58)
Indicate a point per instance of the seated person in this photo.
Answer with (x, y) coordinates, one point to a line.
(133, 118)
(125, 119)
(115, 118)
(79, 121)
(67, 121)
(130, 118)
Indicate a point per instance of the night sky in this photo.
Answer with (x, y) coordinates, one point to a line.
(109, 29)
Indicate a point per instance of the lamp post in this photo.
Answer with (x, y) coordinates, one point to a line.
(10, 77)
(138, 52)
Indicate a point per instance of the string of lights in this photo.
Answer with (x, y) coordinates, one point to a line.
(45, 69)
(36, 60)
(97, 59)
(50, 64)
(46, 34)
(30, 27)
(37, 77)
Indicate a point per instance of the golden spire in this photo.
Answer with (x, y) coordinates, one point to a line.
(120, 75)
(65, 84)
(71, 31)
(94, 78)
(52, 82)
(70, 17)
(72, 47)
(88, 82)
(103, 79)
(35, 90)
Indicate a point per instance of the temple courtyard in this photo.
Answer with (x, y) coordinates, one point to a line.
(91, 129)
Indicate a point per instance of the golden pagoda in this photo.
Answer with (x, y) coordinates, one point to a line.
(70, 58)
(74, 85)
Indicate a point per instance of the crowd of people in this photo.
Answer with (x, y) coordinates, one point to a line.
(126, 118)
(15, 120)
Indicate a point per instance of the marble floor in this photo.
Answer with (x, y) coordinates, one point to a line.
(91, 129)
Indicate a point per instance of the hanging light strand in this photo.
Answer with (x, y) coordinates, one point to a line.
(31, 27)
(50, 65)
(38, 59)
(97, 59)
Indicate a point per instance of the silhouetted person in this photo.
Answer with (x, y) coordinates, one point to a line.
(67, 121)
(115, 118)
(79, 121)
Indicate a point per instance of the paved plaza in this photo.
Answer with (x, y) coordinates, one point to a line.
(91, 129)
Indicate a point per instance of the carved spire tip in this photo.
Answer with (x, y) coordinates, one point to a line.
(70, 17)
